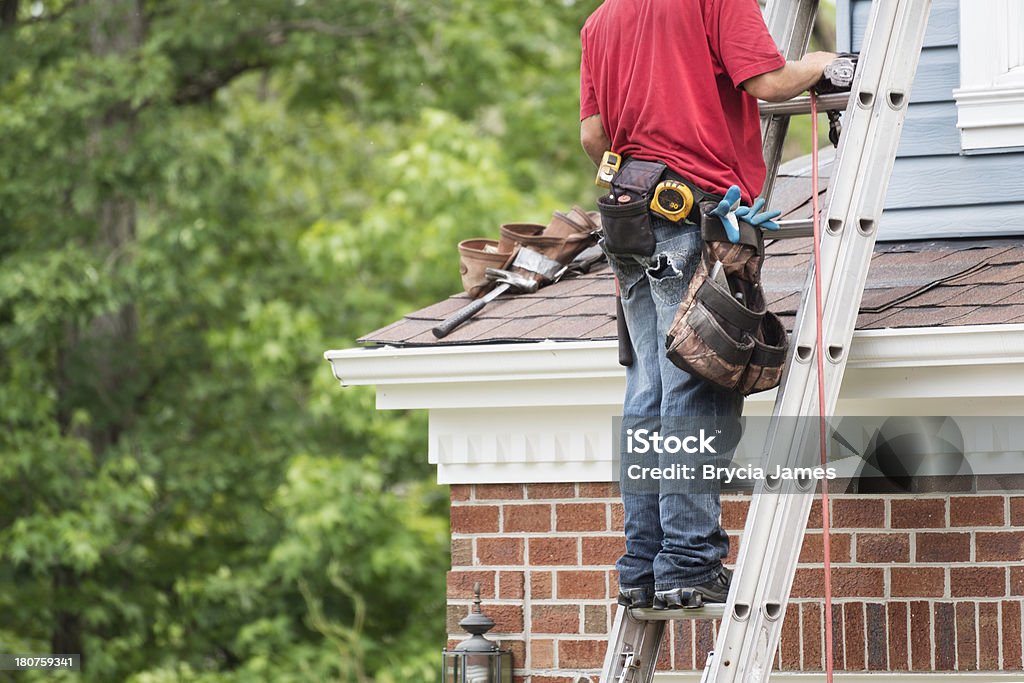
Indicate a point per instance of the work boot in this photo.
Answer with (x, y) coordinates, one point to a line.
(710, 592)
(636, 597)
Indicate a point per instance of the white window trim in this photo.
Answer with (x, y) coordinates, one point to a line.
(990, 100)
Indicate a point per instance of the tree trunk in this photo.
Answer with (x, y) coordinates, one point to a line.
(95, 361)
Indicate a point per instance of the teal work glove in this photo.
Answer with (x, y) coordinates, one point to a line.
(759, 219)
(731, 211)
(727, 211)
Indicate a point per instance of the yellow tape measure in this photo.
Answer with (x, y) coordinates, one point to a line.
(673, 200)
(607, 169)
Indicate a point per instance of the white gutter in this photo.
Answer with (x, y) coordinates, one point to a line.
(548, 360)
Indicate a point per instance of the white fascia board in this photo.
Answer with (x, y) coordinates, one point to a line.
(545, 412)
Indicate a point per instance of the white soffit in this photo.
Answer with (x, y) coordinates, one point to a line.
(543, 412)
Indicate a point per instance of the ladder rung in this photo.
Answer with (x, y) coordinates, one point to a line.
(800, 227)
(802, 105)
(716, 611)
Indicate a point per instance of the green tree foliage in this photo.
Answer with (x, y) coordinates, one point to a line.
(197, 198)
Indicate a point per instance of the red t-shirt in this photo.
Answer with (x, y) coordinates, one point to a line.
(664, 75)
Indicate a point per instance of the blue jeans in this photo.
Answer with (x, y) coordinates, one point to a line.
(673, 535)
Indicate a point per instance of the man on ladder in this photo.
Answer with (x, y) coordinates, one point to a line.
(676, 83)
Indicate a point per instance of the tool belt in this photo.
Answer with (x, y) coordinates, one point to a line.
(723, 331)
(625, 211)
(544, 252)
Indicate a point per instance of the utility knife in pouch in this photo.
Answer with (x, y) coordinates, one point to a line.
(627, 224)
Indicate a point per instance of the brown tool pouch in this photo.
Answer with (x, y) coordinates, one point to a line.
(475, 257)
(542, 252)
(625, 215)
(733, 342)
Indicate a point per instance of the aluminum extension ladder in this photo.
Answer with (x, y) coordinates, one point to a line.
(751, 626)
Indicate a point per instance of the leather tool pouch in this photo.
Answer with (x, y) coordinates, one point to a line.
(627, 224)
(734, 342)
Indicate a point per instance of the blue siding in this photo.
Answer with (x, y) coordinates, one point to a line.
(936, 190)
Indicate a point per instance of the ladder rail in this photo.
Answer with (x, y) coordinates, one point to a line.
(746, 647)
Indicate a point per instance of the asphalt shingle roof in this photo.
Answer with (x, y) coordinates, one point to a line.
(910, 284)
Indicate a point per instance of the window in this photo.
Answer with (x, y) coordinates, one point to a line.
(990, 100)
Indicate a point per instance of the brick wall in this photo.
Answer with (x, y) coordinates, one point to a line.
(932, 583)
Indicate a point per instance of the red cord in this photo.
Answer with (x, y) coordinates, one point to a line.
(820, 353)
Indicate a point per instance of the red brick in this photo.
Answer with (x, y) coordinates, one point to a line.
(944, 622)
(474, 519)
(507, 618)
(808, 583)
(664, 662)
(923, 513)
(682, 644)
(455, 614)
(548, 551)
(789, 646)
(976, 511)
(1011, 636)
(943, 547)
(920, 636)
(581, 654)
(876, 636)
(966, 638)
(541, 585)
(853, 615)
(734, 513)
(542, 654)
(462, 552)
(510, 585)
(550, 491)
(460, 584)
(883, 548)
(618, 517)
(555, 619)
(813, 636)
(858, 513)
(703, 640)
(458, 492)
(980, 582)
(552, 679)
(1017, 581)
(581, 517)
(1017, 512)
(813, 550)
(527, 518)
(603, 489)
(988, 636)
(517, 648)
(838, 640)
(581, 585)
(499, 551)
(847, 582)
(899, 648)
(996, 546)
(917, 582)
(499, 491)
(602, 550)
(595, 619)
(814, 518)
